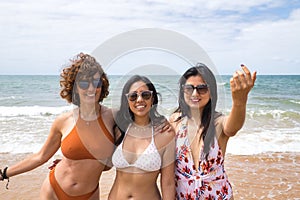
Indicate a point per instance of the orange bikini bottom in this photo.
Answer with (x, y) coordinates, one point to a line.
(61, 195)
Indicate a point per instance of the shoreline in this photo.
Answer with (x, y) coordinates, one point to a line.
(260, 176)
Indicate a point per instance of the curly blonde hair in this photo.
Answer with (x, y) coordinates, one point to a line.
(82, 66)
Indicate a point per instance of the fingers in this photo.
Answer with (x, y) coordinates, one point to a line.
(243, 78)
(237, 80)
(158, 128)
(55, 162)
(250, 78)
(254, 77)
(167, 127)
(163, 126)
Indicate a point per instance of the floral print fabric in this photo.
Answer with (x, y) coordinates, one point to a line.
(209, 182)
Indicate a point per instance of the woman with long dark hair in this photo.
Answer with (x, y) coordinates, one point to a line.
(202, 133)
(143, 153)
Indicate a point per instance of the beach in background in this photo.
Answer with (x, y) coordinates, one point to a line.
(260, 176)
(262, 161)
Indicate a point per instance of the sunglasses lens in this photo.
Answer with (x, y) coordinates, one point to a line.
(97, 83)
(146, 95)
(132, 96)
(188, 89)
(202, 89)
(83, 84)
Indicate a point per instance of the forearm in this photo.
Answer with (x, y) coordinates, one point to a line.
(241, 83)
(30, 163)
(168, 191)
(235, 119)
(168, 182)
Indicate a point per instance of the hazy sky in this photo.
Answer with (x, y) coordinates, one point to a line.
(39, 37)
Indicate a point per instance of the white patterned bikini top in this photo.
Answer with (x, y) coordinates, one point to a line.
(149, 160)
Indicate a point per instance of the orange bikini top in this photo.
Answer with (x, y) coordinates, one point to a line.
(72, 146)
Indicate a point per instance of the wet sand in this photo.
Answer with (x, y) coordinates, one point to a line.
(262, 176)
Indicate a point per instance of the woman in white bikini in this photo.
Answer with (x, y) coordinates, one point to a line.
(142, 153)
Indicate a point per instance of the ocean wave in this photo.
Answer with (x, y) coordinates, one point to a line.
(13, 111)
(222, 83)
(10, 98)
(255, 141)
(294, 101)
(274, 114)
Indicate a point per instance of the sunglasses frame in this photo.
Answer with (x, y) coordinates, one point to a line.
(201, 88)
(97, 83)
(138, 94)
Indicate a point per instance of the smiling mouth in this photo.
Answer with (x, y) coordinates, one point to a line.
(195, 100)
(90, 95)
(140, 107)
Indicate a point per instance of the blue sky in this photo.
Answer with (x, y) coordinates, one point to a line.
(39, 37)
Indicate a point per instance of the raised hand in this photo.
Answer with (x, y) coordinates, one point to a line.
(241, 83)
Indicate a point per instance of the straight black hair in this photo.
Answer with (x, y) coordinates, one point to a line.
(208, 115)
(125, 116)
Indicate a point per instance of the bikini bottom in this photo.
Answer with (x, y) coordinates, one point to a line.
(61, 195)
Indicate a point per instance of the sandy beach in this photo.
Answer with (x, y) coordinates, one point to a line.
(262, 176)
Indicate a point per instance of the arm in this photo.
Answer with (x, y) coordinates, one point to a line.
(168, 168)
(108, 165)
(241, 83)
(35, 160)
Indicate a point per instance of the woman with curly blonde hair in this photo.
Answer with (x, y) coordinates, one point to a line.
(84, 135)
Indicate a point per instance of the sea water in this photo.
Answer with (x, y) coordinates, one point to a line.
(30, 103)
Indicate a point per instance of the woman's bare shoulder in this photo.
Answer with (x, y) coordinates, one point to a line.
(165, 137)
(64, 116)
(106, 110)
(107, 113)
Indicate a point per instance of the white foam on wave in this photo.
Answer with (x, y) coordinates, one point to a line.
(23, 134)
(260, 141)
(275, 113)
(10, 111)
(10, 97)
(295, 102)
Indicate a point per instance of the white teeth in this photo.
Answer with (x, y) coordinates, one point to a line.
(138, 107)
(90, 95)
(195, 100)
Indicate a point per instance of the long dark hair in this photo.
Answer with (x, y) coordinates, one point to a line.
(207, 118)
(125, 116)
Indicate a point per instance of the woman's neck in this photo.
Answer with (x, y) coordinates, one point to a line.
(196, 114)
(142, 121)
(89, 111)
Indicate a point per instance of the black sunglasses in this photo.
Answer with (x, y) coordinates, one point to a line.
(84, 84)
(132, 96)
(201, 89)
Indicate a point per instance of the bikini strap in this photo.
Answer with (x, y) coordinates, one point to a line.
(105, 130)
(152, 129)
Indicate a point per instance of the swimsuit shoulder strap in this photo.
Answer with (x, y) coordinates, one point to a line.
(105, 130)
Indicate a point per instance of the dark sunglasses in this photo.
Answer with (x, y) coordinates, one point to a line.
(201, 89)
(132, 96)
(84, 84)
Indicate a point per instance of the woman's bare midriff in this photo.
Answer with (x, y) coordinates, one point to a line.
(142, 186)
(74, 180)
